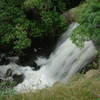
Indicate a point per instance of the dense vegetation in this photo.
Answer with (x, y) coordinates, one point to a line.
(20, 22)
(23, 20)
(89, 20)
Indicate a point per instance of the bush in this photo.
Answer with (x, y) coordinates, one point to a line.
(53, 23)
(89, 20)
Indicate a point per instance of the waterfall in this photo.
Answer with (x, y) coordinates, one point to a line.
(63, 62)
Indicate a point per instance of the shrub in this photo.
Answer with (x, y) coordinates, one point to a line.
(89, 20)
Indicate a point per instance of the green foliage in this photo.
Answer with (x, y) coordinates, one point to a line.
(89, 19)
(53, 23)
(22, 41)
(23, 20)
(13, 25)
(39, 4)
(49, 21)
(59, 6)
(6, 88)
(17, 30)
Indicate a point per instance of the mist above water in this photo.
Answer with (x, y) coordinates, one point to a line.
(63, 62)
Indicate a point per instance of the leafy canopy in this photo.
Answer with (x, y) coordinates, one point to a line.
(23, 20)
(89, 20)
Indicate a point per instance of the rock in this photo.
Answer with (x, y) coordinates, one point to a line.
(18, 77)
(8, 73)
(71, 15)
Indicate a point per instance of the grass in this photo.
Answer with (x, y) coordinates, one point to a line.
(81, 87)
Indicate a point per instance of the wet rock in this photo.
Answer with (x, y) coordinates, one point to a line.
(8, 73)
(18, 77)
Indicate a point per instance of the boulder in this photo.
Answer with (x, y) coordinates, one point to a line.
(71, 15)
(18, 78)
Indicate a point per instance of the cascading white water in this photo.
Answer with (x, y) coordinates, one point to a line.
(66, 60)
